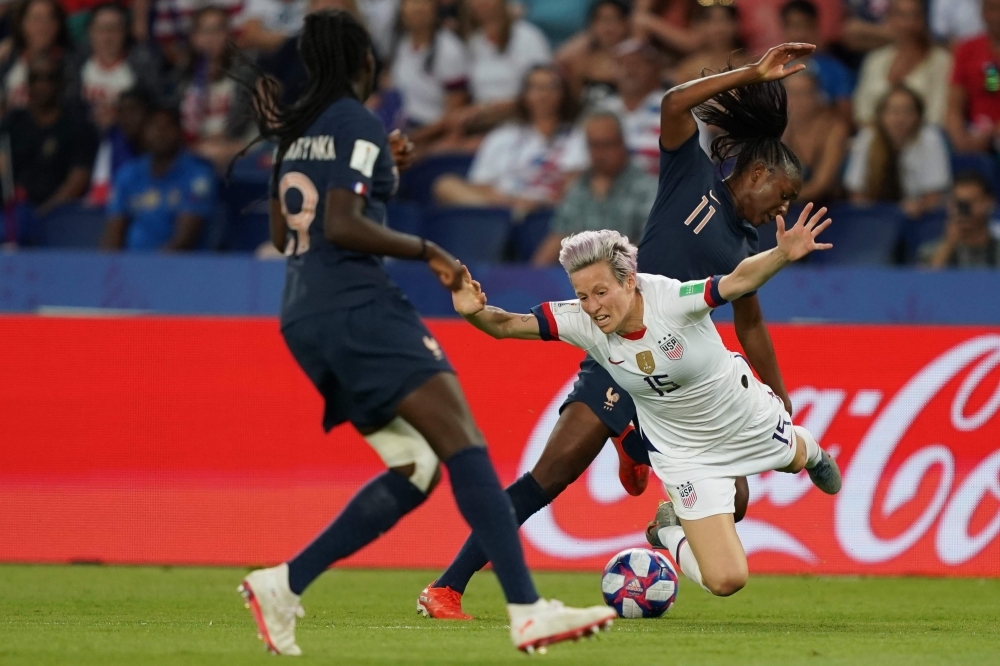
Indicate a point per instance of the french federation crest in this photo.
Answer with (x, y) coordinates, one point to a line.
(673, 348)
(644, 360)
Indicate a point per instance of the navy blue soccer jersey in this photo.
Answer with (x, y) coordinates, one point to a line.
(693, 230)
(346, 148)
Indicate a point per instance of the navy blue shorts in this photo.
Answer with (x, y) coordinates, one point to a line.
(595, 388)
(365, 359)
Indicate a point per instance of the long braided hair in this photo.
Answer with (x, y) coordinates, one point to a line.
(753, 118)
(333, 46)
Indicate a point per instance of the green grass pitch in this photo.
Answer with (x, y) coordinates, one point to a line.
(146, 615)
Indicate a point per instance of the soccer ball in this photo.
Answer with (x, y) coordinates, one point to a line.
(639, 583)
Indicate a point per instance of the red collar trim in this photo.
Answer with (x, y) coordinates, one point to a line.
(635, 335)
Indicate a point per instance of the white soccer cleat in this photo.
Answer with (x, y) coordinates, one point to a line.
(274, 607)
(534, 626)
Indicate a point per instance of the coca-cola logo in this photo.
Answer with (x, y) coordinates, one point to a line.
(880, 475)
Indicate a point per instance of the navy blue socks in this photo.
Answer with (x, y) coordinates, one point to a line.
(490, 514)
(371, 512)
(527, 497)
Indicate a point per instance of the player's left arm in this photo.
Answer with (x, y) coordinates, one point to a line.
(793, 244)
(470, 302)
(756, 342)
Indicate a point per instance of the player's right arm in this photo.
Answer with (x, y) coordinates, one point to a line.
(470, 302)
(677, 125)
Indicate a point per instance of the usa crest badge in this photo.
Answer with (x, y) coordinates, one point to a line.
(688, 495)
(673, 348)
(644, 360)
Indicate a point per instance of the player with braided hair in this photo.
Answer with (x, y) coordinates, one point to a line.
(363, 345)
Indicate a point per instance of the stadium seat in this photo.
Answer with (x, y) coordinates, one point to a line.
(406, 217)
(917, 232)
(528, 234)
(415, 184)
(861, 235)
(978, 162)
(471, 234)
(73, 226)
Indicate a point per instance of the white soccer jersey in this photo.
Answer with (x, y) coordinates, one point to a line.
(693, 396)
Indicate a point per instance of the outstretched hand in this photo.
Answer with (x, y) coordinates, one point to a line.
(446, 267)
(469, 299)
(773, 66)
(800, 239)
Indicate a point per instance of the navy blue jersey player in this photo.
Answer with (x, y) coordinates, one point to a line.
(363, 346)
(700, 225)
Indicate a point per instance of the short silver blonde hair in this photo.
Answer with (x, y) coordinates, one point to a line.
(590, 247)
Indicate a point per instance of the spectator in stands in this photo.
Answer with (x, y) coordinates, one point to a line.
(637, 104)
(171, 23)
(502, 50)
(717, 28)
(967, 241)
(558, 19)
(954, 20)
(266, 24)
(800, 23)
(667, 25)
(39, 29)
(161, 201)
(912, 59)
(612, 194)
(761, 25)
(214, 111)
(52, 144)
(865, 27)
(120, 143)
(974, 98)
(588, 58)
(900, 158)
(381, 17)
(527, 164)
(113, 66)
(430, 69)
(817, 134)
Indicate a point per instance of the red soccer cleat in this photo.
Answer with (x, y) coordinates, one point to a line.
(441, 603)
(633, 476)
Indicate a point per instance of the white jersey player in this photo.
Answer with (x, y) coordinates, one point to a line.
(703, 415)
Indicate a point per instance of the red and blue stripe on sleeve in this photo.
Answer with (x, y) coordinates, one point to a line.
(548, 329)
(712, 295)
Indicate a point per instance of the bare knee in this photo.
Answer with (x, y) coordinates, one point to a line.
(410, 471)
(577, 438)
(728, 583)
(799, 460)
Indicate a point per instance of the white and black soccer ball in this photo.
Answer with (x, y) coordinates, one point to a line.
(639, 583)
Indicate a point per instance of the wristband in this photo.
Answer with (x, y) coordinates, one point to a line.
(423, 249)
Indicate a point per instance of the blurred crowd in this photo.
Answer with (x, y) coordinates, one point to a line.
(133, 109)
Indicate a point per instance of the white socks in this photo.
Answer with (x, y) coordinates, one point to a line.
(673, 538)
(814, 454)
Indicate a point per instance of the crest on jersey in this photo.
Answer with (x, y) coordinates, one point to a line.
(644, 360)
(433, 347)
(612, 398)
(673, 348)
(688, 495)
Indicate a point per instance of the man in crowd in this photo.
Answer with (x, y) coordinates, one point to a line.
(967, 241)
(800, 23)
(163, 200)
(973, 119)
(52, 144)
(613, 194)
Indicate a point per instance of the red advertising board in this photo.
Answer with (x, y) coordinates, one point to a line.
(177, 440)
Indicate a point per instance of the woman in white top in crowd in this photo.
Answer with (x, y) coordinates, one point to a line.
(527, 164)
(430, 70)
(113, 65)
(900, 158)
(502, 50)
(912, 59)
(39, 28)
(213, 108)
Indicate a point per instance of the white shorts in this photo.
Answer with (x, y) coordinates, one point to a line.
(706, 484)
